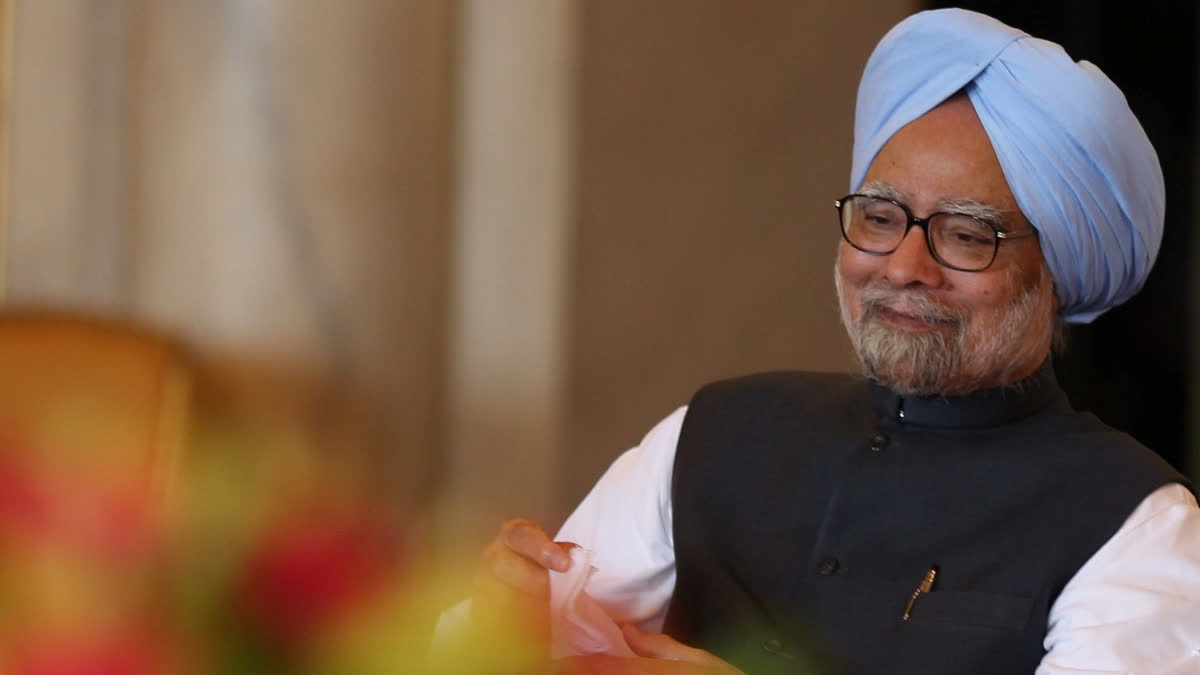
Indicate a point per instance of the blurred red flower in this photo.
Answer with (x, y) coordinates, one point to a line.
(133, 652)
(114, 521)
(23, 504)
(311, 570)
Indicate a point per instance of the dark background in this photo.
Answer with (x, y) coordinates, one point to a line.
(1132, 366)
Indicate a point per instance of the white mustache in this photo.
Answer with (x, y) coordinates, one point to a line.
(917, 305)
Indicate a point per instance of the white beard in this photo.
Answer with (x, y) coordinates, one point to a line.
(957, 356)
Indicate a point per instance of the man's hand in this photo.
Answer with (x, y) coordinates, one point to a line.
(657, 655)
(512, 586)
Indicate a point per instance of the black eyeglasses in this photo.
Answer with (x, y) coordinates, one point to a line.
(961, 242)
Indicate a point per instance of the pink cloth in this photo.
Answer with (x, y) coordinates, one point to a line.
(578, 625)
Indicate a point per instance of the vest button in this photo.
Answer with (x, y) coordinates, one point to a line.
(879, 442)
(828, 565)
(775, 646)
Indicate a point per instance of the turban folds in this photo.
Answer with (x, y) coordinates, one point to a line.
(1076, 158)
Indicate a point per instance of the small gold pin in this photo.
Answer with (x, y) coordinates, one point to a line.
(925, 586)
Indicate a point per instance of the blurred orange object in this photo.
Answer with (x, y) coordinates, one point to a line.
(93, 418)
(252, 552)
(96, 398)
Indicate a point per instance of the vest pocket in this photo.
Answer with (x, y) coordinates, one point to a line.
(971, 608)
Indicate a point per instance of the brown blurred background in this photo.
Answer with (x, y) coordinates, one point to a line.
(489, 243)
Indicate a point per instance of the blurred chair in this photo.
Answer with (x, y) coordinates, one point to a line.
(93, 417)
(97, 402)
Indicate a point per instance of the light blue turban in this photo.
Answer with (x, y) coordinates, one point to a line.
(1076, 159)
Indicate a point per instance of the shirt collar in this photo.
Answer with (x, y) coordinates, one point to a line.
(979, 409)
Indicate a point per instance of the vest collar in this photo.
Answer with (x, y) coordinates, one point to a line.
(979, 409)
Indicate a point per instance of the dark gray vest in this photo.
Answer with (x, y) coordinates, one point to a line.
(808, 508)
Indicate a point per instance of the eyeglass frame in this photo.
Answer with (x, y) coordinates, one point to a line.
(923, 223)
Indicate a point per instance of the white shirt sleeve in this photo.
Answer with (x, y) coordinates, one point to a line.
(1134, 607)
(625, 521)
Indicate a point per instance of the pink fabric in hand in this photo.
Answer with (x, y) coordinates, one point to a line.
(578, 625)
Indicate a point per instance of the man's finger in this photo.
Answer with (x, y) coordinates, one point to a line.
(660, 646)
(527, 539)
(601, 664)
(509, 570)
(666, 648)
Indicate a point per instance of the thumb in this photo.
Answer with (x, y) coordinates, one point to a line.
(659, 646)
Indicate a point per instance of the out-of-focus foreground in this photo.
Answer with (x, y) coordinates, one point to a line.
(301, 299)
(146, 530)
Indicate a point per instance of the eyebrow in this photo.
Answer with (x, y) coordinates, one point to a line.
(968, 207)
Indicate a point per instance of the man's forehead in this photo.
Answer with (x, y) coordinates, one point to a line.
(951, 203)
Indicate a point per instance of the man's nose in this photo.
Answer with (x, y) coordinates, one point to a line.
(913, 263)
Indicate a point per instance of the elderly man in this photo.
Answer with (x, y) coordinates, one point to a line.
(949, 512)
